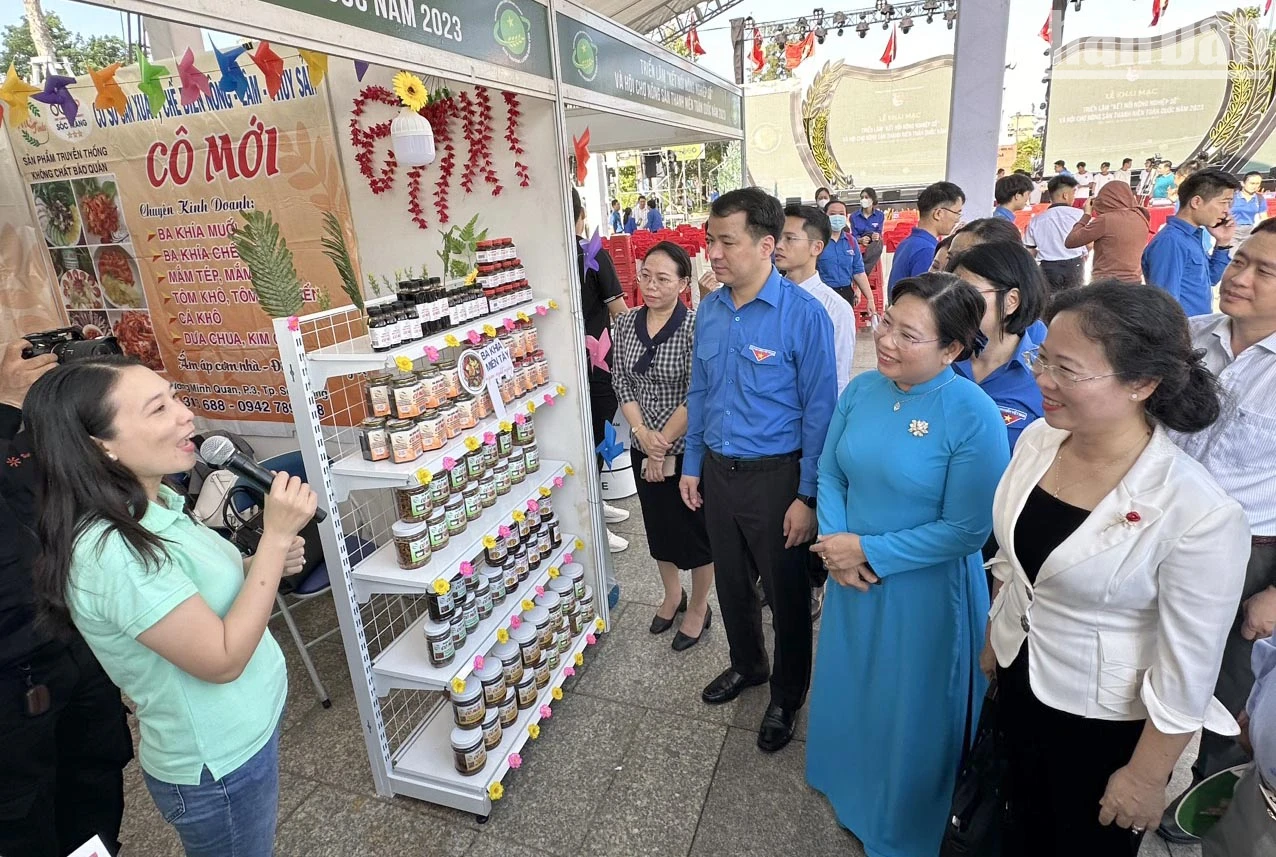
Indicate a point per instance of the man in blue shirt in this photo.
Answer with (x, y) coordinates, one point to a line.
(1061, 168)
(763, 389)
(1176, 260)
(939, 207)
(1249, 207)
(1011, 193)
(616, 222)
(841, 266)
(654, 221)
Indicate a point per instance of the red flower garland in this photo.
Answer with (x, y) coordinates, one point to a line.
(468, 122)
(364, 140)
(440, 113)
(414, 202)
(485, 138)
(511, 137)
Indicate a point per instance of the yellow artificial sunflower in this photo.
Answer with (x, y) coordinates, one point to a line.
(442, 587)
(471, 278)
(411, 91)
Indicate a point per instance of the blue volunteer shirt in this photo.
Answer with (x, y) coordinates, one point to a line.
(631, 225)
(1004, 213)
(1013, 386)
(655, 221)
(763, 378)
(862, 224)
(616, 224)
(1246, 211)
(1161, 187)
(913, 256)
(1176, 261)
(840, 261)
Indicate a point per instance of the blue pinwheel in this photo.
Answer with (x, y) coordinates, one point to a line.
(610, 449)
(233, 81)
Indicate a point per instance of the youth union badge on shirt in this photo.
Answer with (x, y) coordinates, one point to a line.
(1013, 415)
(761, 355)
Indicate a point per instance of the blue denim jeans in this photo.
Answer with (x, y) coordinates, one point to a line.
(231, 817)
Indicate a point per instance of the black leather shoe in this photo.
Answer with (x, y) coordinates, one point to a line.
(1169, 829)
(777, 728)
(727, 687)
(681, 642)
(659, 624)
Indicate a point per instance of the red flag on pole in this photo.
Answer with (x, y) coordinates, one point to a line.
(759, 56)
(693, 44)
(798, 52)
(1045, 29)
(892, 49)
(1158, 9)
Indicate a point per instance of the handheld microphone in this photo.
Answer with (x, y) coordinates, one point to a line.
(220, 453)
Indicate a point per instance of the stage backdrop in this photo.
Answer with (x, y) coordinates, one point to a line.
(849, 126)
(137, 214)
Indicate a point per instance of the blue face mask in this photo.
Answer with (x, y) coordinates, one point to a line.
(837, 221)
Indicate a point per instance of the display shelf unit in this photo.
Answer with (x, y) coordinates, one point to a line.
(428, 754)
(380, 574)
(381, 607)
(355, 354)
(406, 664)
(353, 472)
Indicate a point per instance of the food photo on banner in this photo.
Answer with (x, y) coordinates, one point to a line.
(142, 176)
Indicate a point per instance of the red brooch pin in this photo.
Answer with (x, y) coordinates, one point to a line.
(1133, 517)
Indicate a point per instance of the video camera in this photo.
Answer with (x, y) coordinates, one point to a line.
(69, 345)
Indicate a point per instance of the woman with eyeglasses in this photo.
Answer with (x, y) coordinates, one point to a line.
(912, 458)
(1119, 575)
(651, 371)
(1014, 292)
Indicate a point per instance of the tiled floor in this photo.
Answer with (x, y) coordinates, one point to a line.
(632, 763)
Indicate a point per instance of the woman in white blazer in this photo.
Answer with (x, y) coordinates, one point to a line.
(1118, 576)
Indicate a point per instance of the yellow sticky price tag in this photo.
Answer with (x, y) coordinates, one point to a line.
(580, 546)
(451, 341)
(553, 304)
(560, 390)
(404, 363)
(533, 731)
(489, 330)
(557, 693)
(495, 791)
(579, 659)
(519, 516)
(600, 625)
(424, 476)
(472, 443)
(442, 587)
(545, 492)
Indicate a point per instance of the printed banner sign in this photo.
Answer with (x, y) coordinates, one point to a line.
(138, 213)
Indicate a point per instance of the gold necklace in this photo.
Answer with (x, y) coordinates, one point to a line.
(1102, 468)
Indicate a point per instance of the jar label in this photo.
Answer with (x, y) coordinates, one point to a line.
(438, 533)
(509, 713)
(376, 444)
(442, 651)
(406, 445)
(379, 400)
(471, 762)
(470, 713)
(492, 734)
(527, 695)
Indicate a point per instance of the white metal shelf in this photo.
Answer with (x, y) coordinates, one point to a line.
(380, 572)
(405, 663)
(356, 355)
(352, 472)
(427, 755)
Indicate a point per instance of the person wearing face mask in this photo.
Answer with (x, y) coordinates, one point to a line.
(867, 226)
(1176, 261)
(172, 611)
(841, 265)
(822, 197)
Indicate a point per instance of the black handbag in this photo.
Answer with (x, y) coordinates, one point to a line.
(246, 534)
(980, 803)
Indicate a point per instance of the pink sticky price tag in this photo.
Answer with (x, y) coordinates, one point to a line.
(546, 712)
(569, 671)
(567, 558)
(519, 419)
(478, 662)
(590, 639)
(549, 400)
(515, 621)
(516, 761)
(533, 506)
(540, 590)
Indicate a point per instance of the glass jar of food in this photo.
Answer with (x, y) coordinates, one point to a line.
(524, 527)
(439, 490)
(378, 394)
(510, 572)
(510, 657)
(458, 630)
(504, 443)
(492, 733)
(469, 612)
(538, 617)
(542, 368)
(487, 490)
(553, 530)
(466, 411)
(525, 690)
(563, 639)
(546, 543)
(441, 606)
(532, 457)
(524, 432)
(566, 593)
(483, 598)
(455, 510)
(533, 338)
(373, 440)
(527, 374)
(474, 464)
(404, 389)
(411, 545)
(509, 706)
(550, 601)
(518, 467)
(575, 572)
(533, 515)
(413, 503)
(451, 420)
(432, 430)
(495, 554)
(501, 479)
(587, 605)
(470, 495)
(520, 563)
(437, 524)
(533, 553)
(483, 405)
(452, 380)
(457, 477)
(467, 704)
(540, 672)
(405, 441)
(489, 455)
(433, 386)
(438, 642)
(495, 577)
(469, 752)
(529, 643)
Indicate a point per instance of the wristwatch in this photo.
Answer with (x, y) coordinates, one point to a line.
(807, 499)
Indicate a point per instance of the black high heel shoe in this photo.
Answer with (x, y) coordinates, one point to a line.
(681, 642)
(659, 624)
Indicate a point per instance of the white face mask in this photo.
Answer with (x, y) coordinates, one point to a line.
(866, 204)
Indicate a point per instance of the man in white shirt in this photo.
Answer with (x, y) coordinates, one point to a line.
(1102, 177)
(806, 232)
(1239, 451)
(1085, 183)
(1064, 267)
(1125, 173)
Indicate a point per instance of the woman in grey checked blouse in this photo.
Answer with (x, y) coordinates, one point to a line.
(651, 371)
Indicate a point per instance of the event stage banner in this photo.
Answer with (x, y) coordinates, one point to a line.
(138, 213)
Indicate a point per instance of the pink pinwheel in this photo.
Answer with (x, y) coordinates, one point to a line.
(194, 82)
(598, 350)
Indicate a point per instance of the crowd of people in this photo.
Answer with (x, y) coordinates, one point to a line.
(1058, 489)
(1102, 447)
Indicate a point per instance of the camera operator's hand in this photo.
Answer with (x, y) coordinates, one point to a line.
(17, 375)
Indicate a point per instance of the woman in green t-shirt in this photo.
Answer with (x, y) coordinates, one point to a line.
(175, 615)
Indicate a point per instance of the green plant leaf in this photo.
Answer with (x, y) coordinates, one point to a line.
(334, 247)
(269, 261)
